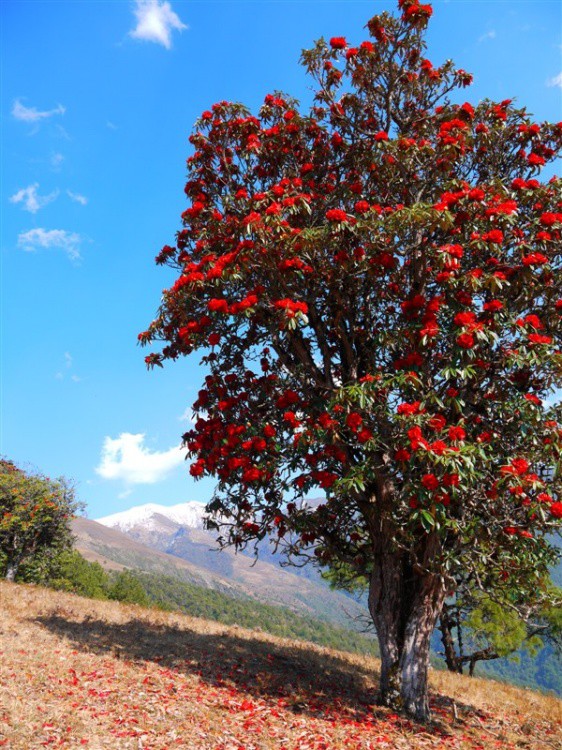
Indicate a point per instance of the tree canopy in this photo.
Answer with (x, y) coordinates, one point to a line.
(375, 286)
(35, 515)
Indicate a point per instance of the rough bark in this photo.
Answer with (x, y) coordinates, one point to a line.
(385, 601)
(414, 661)
(404, 602)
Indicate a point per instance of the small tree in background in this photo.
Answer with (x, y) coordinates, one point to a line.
(376, 287)
(35, 515)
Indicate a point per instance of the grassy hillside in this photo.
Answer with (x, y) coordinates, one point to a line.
(171, 594)
(242, 577)
(84, 673)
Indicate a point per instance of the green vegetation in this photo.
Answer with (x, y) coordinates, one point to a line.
(35, 513)
(76, 575)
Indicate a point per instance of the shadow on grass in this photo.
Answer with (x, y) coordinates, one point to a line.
(309, 682)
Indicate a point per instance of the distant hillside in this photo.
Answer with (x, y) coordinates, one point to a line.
(82, 673)
(235, 575)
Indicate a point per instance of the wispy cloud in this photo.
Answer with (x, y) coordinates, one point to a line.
(155, 22)
(31, 200)
(487, 35)
(68, 364)
(556, 81)
(77, 198)
(56, 160)
(32, 114)
(127, 458)
(51, 239)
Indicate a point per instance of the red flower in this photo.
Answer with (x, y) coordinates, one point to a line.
(437, 422)
(402, 455)
(336, 214)
(534, 259)
(466, 340)
(291, 307)
(476, 194)
(251, 475)
(325, 478)
(197, 468)
(519, 466)
(493, 305)
(217, 305)
(438, 447)
(361, 207)
(537, 338)
(338, 42)
(556, 510)
(457, 434)
(381, 136)
(214, 339)
(354, 421)
(494, 236)
(364, 435)
(544, 497)
(409, 409)
(430, 481)
(465, 319)
(548, 219)
(451, 480)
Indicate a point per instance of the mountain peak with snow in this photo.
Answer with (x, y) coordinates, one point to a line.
(190, 514)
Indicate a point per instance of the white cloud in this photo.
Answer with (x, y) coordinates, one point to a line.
(127, 458)
(155, 22)
(487, 35)
(77, 198)
(68, 364)
(46, 239)
(56, 160)
(30, 198)
(32, 114)
(556, 81)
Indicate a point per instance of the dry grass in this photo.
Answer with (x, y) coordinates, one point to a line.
(80, 673)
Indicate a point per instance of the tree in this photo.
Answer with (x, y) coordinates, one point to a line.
(127, 588)
(80, 576)
(375, 285)
(482, 625)
(35, 514)
(487, 617)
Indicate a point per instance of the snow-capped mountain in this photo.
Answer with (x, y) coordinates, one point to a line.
(150, 516)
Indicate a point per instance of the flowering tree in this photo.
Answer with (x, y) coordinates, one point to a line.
(376, 287)
(35, 514)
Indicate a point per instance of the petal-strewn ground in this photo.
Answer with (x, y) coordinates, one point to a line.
(81, 673)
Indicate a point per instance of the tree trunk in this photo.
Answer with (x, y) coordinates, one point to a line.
(404, 604)
(414, 660)
(446, 625)
(11, 571)
(385, 604)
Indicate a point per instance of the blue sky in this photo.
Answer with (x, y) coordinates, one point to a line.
(97, 102)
